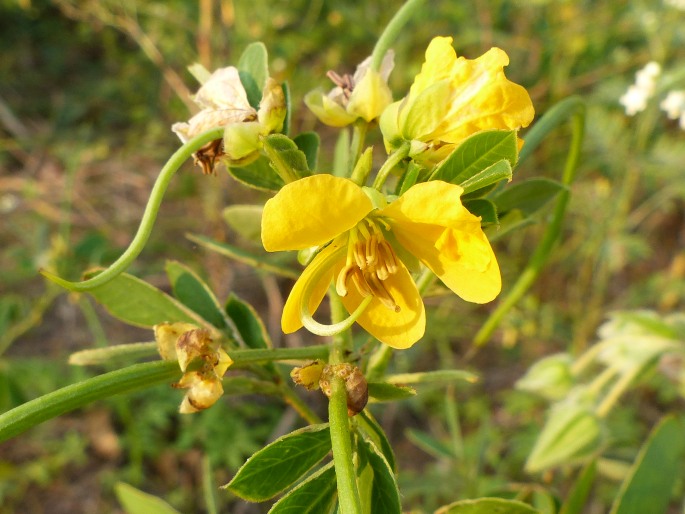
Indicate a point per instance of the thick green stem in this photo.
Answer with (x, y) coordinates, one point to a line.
(341, 441)
(392, 30)
(393, 160)
(148, 220)
(571, 107)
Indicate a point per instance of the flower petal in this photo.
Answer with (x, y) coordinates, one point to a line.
(291, 320)
(396, 329)
(431, 223)
(369, 97)
(312, 211)
(327, 110)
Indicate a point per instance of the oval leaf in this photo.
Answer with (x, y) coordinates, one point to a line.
(375, 433)
(135, 501)
(136, 302)
(309, 143)
(385, 392)
(499, 171)
(248, 323)
(385, 496)
(286, 158)
(648, 487)
(529, 195)
(477, 153)
(253, 68)
(280, 464)
(315, 495)
(487, 506)
(195, 294)
(258, 175)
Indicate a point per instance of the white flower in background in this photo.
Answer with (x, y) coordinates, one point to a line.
(635, 99)
(674, 106)
(678, 4)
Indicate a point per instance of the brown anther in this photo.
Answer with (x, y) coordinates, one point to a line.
(361, 283)
(371, 251)
(388, 257)
(207, 155)
(380, 292)
(359, 253)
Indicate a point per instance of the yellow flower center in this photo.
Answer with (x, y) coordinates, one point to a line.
(370, 261)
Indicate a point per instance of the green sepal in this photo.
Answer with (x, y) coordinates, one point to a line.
(317, 494)
(528, 196)
(258, 175)
(477, 153)
(195, 294)
(280, 464)
(308, 143)
(253, 69)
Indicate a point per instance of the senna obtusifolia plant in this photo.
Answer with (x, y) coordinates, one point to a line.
(371, 241)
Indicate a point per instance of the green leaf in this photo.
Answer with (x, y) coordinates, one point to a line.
(248, 323)
(385, 496)
(260, 262)
(341, 155)
(286, 158)
(476, 154)
(77, 395)
(648, 487)
(288, 108)
(430, 444)
(510, 221)
(487, 506)
(529, 195)
(189, 288)
(375, 433)
(385, 392)
(576, 498)
(135, 501)
(315, 495)
(138, 303)
(258, 175)
(483, 208)
(309, 143)
(253, 68)
(280, 464)
(499, 171)
(246, 220)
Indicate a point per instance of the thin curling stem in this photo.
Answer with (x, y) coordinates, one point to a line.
(149, 216)
(307, 320)
(392, 30)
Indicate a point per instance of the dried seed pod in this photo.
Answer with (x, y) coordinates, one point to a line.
(356, 387)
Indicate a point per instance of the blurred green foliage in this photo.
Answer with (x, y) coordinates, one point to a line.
(88, 91)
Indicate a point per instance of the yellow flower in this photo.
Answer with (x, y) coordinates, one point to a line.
(369, 244)
(453, 98)
(362, 95)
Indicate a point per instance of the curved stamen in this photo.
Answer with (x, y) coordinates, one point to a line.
(307, 320)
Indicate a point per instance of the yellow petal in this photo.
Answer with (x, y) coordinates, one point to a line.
(327, 110)
(388, 124)
(430, 222)
(396, 329)
(369, 97)
(440, 59)
(291, 321)
(312, 211)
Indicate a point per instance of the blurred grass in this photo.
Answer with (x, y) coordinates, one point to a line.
(88, 91)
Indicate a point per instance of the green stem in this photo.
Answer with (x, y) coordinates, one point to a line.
(341, 443)
(341, 440)
(77, 395)
(148, 220)
(571, 107)
(393, 160)
(361, 127)
(392, 30)
(620, 387)
(279, 354)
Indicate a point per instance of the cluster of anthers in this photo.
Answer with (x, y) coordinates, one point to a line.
(370, 261)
